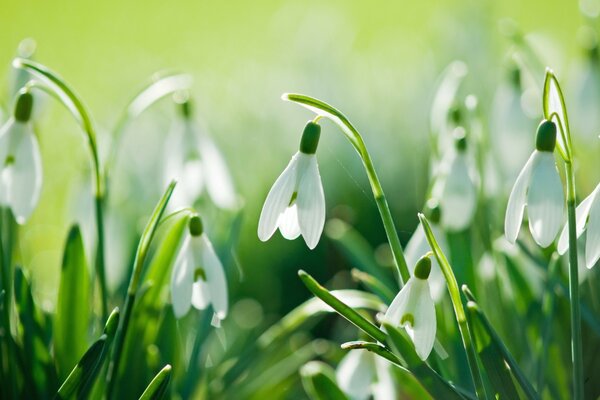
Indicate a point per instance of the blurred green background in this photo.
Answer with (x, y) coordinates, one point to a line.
(377, 61)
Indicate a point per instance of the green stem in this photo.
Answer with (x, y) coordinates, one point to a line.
(352, 134)
(344, 310)
(548, 307)
(134, 283)
(576, 352)
(75, 105)
(459, 310)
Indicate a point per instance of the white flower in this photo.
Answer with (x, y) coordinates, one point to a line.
(539, 187)
(588, 221)
(362, 374)
(20, 161)
(418, 245)
(198, 277)
(414, 310)
(455, 189)
(296, 203)
(200, 165)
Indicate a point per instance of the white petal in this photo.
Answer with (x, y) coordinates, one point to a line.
(592, 243)
(215, 279)
(582, 212)
(311, 202)
(26, 176)
(399, 304)
(458, 200)
(288, 223)
(425, 320)
(7, 132)
(417, 247)
(516, 201)
(384, 388)
(545, 200)
(355, 373)
(218, 179)
(555, 106)
(181, 280)
(200, 295)
(277, 200)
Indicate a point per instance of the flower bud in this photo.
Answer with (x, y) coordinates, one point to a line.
(460, 139)
(423, 268)
(310, 138)
(545, 139)
(195, 226)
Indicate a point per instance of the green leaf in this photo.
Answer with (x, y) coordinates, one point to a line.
(86, 370)
(73, 307)
(319, 382)
(157, 389)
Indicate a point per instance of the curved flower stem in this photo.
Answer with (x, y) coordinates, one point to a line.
(134, 283)
(325, 110)
(576, 351)
(459, 310)
(158, 89)
(76, 106)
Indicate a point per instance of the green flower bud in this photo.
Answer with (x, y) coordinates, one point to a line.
(196, 227)
(545, 139)
(310, 138)
(432, 211)
(423, 268)
(460, 139)
(24, 106)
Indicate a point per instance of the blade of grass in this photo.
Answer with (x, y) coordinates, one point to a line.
(157, 389)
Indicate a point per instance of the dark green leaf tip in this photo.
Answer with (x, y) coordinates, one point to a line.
(196, 226)
(545, 139)
(423, 268)
(23, 106)
(310, 138)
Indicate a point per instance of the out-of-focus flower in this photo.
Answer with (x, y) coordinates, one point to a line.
(588, 221)
(296, 203)
(455, 187)
(199, 165)
(198, 276)
(539, 187)
(20, 161)
(418, 245)
(363, 375)
(414, 310)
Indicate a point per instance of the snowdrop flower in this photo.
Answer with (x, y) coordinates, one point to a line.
(198, 277)
(200, 164)
(418, 245)
(414, 310)
(539, 187)
(362, 374)
(456, 189)
(20, 161)
(296, 203)
(588, 221)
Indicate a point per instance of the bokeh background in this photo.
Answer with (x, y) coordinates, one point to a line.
(377, 61)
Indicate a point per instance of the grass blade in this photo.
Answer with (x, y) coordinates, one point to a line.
(157, 389)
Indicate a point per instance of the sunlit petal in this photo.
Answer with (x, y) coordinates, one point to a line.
(417, 247)
(215, 279)
(311, 203)
(277, 200)
(592, 243)
(545, 200)
(288, 223)
(218, 178)
(355, 373)
(425, 320)
(399, 304)
(517, 199)
(182, 280)
(458, 199)
(26, 176)
(582, 212)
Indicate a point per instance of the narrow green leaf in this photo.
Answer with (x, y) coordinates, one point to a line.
(73, 307)
(376, 348)
(319, 382)
(157, 389)
(344, 310)
(86, 370)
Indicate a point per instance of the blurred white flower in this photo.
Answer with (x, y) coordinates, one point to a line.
(21, 164)
(362, 375)
(588, 221)
(455, 189)
(414, 310)
(198, 276)
(199, 165)
(296, 203)
(539, 187)
(418, 245)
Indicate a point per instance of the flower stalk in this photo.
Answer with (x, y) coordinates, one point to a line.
(325, 110)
